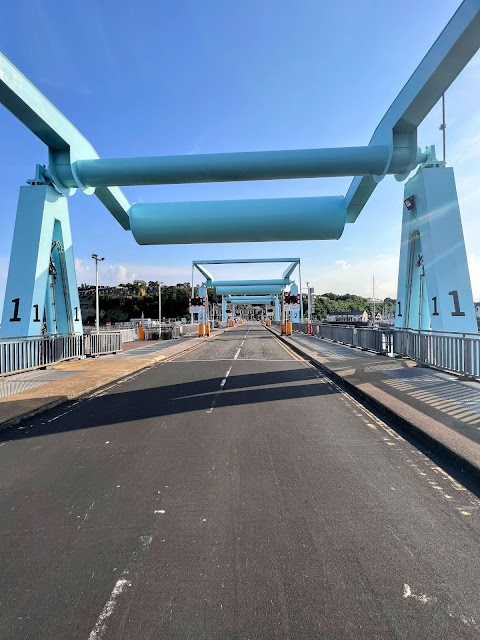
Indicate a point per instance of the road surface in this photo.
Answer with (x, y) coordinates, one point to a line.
(230, 493)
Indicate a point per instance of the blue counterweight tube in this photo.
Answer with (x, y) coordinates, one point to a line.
(266, 220)
(227, 167)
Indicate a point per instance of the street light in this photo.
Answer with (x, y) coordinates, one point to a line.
(310, 291)
(97, 303)
(160, 310)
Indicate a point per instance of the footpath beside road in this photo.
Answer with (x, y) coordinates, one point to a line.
(439, 409)
(28, 393)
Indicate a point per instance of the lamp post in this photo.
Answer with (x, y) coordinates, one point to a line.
(160, 310)
(97, 303)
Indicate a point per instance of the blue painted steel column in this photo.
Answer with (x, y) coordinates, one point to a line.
(434, 289)
(266, 220)
(224, 309)
(42, 218)
(277, 309)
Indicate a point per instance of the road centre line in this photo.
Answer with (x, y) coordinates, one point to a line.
(122, 584)
(222, 384)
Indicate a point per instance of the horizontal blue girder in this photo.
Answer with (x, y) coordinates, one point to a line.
(226, 167)
(266, 220)
(251, 300)
(247, 290)
(282, 282)
(245, 261)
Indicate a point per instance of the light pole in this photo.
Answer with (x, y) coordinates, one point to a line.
(97, 303)
(309, 303)
(160, 309)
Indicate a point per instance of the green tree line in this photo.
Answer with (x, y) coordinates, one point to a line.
(141, 297)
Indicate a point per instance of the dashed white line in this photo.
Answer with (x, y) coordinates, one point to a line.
(236, 355)
(122, 584)
(222, 384)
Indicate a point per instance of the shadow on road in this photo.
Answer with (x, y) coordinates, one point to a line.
(155, 401)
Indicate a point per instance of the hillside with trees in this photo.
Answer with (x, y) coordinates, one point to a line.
(137, 298)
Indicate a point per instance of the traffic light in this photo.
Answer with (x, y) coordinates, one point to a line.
(197, 301)
(289, 298)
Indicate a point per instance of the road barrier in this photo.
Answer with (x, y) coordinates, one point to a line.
(189, 330)
(455, 352)
(101, 343)
(26, 354)
(452, 352)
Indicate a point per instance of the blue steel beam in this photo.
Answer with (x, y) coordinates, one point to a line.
(66, 144)
(450, 53)
(249, 283)
(266, 220)
(245, 261)
(229, 167)
(251, 299)
(254, 290)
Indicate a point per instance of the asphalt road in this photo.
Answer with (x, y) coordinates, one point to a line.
(230, 493)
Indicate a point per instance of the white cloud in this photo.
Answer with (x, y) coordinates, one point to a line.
(113, 274)
(343, 264)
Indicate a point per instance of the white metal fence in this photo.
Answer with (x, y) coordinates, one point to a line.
(31, 353)
(101, 343)
(457, 352)
(452, 352)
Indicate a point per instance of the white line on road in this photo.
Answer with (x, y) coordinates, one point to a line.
(222, 384)
(236, 355)
(121, 585)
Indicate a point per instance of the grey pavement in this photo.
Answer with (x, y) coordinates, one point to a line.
(231, 492)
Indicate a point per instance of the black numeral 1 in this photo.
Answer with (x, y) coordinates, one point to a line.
(16, 303)
(456, 303)
(435, 310)
(76, 315)
(36, 319)
(399, 309)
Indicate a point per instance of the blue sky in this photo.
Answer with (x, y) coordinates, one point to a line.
(158, 77)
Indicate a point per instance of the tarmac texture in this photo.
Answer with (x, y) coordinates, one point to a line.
(231, 491)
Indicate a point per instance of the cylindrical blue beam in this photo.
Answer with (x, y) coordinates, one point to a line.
(227, 167)
(249, 283)
(253, 300)
(267, 220)
(247, 290)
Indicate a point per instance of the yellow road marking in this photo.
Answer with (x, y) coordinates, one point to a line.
(289, 351)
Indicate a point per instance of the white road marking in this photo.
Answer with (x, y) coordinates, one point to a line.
(236, 355)
(222, 384)
(408, 593)
(159, 511)
(122, 584)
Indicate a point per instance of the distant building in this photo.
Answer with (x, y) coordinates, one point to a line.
(348, 317)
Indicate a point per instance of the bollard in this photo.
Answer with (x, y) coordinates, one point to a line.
(201, 329)
(288, 328)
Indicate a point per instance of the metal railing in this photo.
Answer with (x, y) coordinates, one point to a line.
(454, 352)
(101, 343)
(25, 354)
(189, 330)
(378, 340)
(448, 351)
(166, 332)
